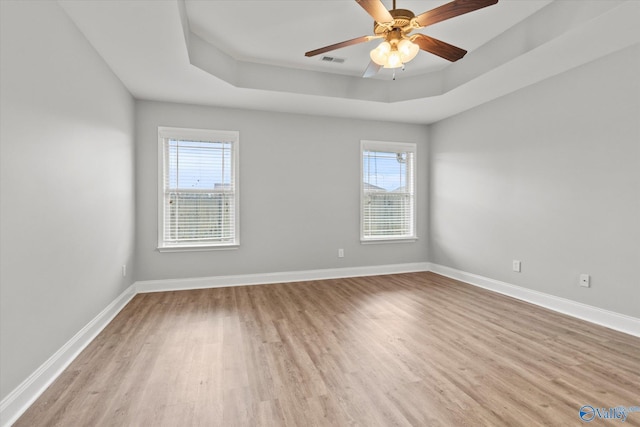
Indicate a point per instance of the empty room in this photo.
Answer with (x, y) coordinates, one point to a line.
(319, 213)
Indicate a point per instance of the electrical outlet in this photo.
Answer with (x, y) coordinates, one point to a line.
(340, 253)
(517, 266)
(585, 280)
(124, 270)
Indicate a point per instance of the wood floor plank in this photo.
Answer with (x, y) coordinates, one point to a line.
(405, 349)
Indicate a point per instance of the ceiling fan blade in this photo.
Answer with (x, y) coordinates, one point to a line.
(376, 9)
(451, 10)
(438, 47)
(338, 45)
(372, 70)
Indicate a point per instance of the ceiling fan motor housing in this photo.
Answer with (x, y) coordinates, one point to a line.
(401, 21)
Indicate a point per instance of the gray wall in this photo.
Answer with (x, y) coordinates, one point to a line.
(549, 175)
(299, 192)
(66, 186)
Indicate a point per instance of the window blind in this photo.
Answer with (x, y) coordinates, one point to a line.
(199, 197)
(388, 191)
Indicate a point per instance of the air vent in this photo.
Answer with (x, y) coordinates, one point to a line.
(333, 59)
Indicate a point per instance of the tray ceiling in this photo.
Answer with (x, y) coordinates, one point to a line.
(279, 32)
(250, 54)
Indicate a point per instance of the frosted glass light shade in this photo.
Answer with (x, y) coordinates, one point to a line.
(380, 54)
(408, 50)
(394, 60)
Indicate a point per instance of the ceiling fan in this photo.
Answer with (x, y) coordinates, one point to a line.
(395, 26)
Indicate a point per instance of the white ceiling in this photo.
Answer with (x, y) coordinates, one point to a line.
(250, 54)
(280, 32)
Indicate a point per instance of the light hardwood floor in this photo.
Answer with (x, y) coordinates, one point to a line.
(408, 349)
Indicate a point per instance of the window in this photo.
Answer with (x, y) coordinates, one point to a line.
(198, 197)
(388, 191)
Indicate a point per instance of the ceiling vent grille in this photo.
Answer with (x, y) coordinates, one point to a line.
(332, 59)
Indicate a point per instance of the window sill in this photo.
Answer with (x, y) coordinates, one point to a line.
(388, 240)
(197, 248)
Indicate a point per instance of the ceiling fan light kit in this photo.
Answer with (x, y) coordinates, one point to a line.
(395, 51)
(395, 25)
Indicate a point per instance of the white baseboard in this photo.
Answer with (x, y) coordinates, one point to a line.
(19, 400)
(619, 322)
(283, 277)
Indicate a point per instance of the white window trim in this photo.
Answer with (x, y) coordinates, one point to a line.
(197, 135)
(389, 146)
